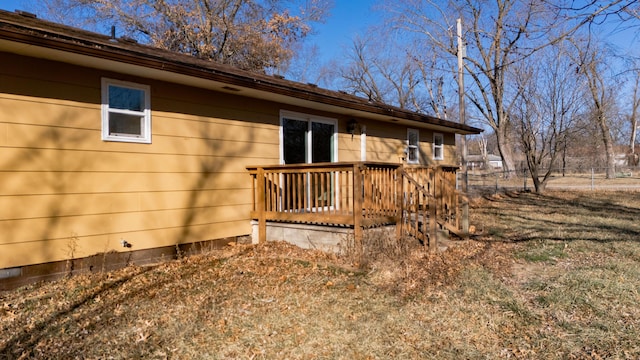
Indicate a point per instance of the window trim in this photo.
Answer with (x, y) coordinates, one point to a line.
(363, 143)
(411, 147)
(440, 147)
(309, 119)
(145, 128)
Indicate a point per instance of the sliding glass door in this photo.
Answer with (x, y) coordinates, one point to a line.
(307, 140)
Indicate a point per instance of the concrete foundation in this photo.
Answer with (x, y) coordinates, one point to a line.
(322, 237)
(15, 277)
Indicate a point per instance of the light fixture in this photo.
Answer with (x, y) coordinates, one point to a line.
(351, 127)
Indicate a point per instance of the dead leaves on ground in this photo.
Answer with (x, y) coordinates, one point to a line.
(221, 290)
(424, 272)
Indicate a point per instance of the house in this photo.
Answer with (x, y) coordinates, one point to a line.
(114, 152)
(479, 162)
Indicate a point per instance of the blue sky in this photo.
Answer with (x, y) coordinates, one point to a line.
(12, 4)
(347, 19)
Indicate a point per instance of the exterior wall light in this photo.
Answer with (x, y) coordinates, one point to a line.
(351, 127)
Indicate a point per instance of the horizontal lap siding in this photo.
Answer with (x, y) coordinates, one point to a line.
(450, 156)
(70, 205)
(386, 142)
(63, 227)
(64, 191)
(349, 147)
(50, 160)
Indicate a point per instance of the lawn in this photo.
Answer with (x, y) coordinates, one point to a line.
(553, 276)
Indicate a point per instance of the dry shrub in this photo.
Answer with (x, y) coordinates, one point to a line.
(378, 245)
(421, 271)
(406, 267)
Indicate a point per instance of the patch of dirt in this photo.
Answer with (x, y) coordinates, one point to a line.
(523, 271)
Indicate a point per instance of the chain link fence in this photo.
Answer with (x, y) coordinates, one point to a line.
(626, 178)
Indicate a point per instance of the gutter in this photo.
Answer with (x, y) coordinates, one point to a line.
(43, 34)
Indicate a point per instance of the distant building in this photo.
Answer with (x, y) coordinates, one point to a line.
(477, 162)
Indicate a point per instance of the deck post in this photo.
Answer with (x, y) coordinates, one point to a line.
(465, 216)
(260, 206)
(358, 197)
(399, 202)
(434, 203)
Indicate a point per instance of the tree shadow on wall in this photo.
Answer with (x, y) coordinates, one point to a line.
(220, 182)
(40, 187)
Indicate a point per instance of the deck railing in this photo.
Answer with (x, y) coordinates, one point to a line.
(358, 195)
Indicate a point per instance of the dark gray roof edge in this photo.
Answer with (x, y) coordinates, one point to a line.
(30, 30)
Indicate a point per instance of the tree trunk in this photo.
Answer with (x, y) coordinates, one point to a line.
(538, 185)
(505, 152)
(634, 119)
(632, 157)
(608, 147)
(634, 130)
(564, 158)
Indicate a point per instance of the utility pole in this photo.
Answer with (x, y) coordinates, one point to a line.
(463, 138)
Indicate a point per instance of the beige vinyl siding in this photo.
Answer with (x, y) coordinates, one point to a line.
(384, 150)
(41, 251)
(13, 207)
(33, 229)
(450, 150)
(385, 142)
(348, 147)
(64, 192)
(64, 188)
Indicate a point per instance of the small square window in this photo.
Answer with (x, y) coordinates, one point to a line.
(126, 112)
(413, 146)
(438, 147)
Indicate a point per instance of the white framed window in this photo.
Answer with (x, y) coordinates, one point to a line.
(126, 111)
(307, 138)
(413, 146)
(438, 146)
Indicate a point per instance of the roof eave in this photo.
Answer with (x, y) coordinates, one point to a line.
(82, 51)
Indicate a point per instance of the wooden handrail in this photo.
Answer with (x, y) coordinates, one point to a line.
(356, 194)
(293, 167)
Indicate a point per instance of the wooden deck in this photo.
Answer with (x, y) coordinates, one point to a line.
(360, 195)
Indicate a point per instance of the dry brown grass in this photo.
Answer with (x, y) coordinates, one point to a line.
(554, 276)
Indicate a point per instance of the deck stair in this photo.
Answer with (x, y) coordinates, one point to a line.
(427, 215)
(422, 201)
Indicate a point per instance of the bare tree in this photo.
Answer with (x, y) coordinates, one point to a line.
(633, 120)
(595, 12)
(479, 145)
(497, 30)
(250, 34)
(591, 64)
(550, 99)
(482, 143)
(361, 73)
(377, 70)
(500, 33)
